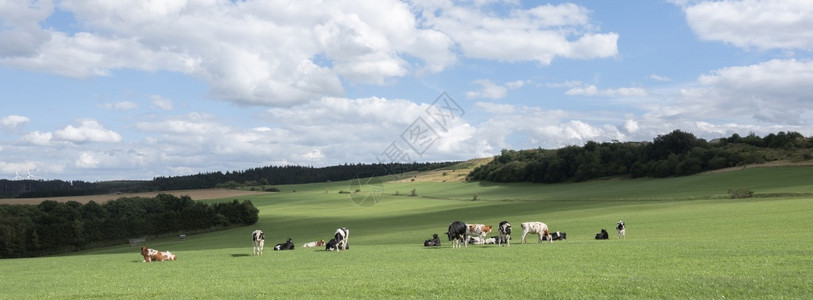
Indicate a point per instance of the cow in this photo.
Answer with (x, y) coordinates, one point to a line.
(457, 234)
(603, 235)
(289, 245)
(476, 240)
(434, 242)
(505, 233)
(621, 229)
(331, 245)
(258, 238)
(150, 255)
(558, 236)
(480, 230)
(313, 244)
(536, 228)
(342, 235)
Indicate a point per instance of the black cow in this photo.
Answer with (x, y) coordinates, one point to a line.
(457, 234)
(332, 245)
(289, 245)
(603, 235)
(505, 233)
(434, 242)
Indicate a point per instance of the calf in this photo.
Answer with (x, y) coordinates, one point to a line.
(313, 244)
(536, 228)
(434, 242)
(289, 245)
(558, 236)
(457, 234)
(258, 239)
(505, 233)
(603, 235)
(331, 245)
(342, 235)
(480, 230)
(150, 255)
(621, 229)
(476, 240)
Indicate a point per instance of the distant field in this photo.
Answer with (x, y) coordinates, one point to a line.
(685, 239)
(202, 194)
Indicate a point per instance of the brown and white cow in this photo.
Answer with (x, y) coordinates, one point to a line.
(536, 228)
(480, 230)
(150, 254)
(313, 244)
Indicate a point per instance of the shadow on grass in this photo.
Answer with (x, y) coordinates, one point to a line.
(240, 255)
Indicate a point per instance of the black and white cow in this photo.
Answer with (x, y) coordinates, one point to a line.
(434, 242)
(457, 234)
(603, 235)
(289, 245)
(505, 233)
(621, 229)
(258, 239)
(342, 235)
(332, 245)
(558, 236)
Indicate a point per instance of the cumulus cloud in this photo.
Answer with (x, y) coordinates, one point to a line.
(161, 102)
(491, 90)
(13, 121)
(780, 24)
(87, 131)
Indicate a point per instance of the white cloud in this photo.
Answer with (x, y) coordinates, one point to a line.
(657, 77)
(38, 138)
(592, 90)
(88, 131)
(487, 90)
(13, 121)
(161, 102)
(122, 105)
(778, 24)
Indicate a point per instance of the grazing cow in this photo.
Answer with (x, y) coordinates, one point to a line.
(258, 238)
(150, 255)
(342, 235)
(434, 242)
(480, 230)
(505, 233)
(289, 245)
(621, 229)
(313, 244)
(457, 234)
(603, 235)
(536, 228)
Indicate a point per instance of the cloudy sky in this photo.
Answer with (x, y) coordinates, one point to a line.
(134, 89)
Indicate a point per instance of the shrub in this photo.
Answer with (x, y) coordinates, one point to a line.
(740, 193)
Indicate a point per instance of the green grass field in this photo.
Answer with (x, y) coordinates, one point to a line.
(685, 239)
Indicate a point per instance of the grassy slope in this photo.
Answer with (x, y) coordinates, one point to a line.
(684, 241)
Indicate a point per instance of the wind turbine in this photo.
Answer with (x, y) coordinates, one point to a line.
(18, 175)
(29, 175)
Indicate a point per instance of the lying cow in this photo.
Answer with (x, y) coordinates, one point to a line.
(313, 244)
(289, 245)
(497, 240)
(434, 242)
(603, 235)
(476, 240)
(332, 245)
(558, 236)
(150, 255)
(479, 230)
(536, 228)
(457, 234)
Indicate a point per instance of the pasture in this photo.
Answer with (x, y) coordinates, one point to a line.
(685, 239)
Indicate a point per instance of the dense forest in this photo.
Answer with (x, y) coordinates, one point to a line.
(260, 176)
(55, 227)
(675, 154)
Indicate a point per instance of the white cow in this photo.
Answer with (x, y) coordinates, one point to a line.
(478, 230)
(258, 239)
(536, 228)
(342, 234)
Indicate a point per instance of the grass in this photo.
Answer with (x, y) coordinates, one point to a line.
(684, 240)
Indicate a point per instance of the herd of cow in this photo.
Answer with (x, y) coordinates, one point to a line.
(459, 233)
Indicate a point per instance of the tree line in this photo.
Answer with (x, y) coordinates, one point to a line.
(56, 227)
(674, 154)
(262, 176)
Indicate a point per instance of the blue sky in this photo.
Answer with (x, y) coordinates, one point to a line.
(105, 90)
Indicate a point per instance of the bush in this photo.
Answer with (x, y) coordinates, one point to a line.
(740, 193)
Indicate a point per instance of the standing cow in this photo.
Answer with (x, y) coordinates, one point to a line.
(505, 233)
(457, 234)
(258, 239)
(621, 229)
(342, 234)
(536, 228)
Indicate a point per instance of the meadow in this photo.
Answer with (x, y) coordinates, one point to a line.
(685, 239)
